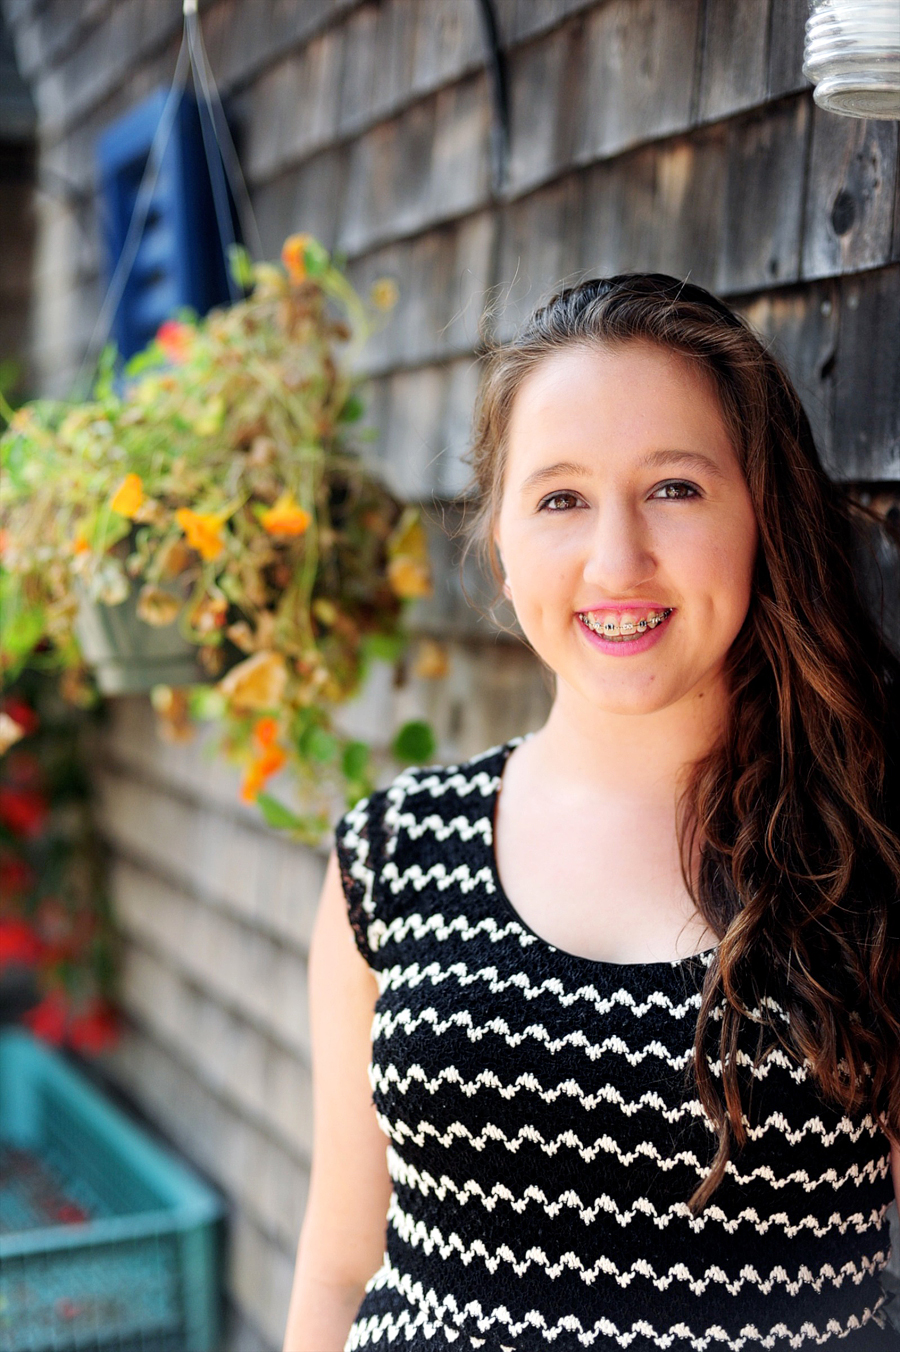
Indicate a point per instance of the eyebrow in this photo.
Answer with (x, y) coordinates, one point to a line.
(689, 459)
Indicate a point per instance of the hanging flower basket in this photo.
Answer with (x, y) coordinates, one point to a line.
(209, 517)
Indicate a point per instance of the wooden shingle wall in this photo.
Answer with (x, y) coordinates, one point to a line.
(670, 135)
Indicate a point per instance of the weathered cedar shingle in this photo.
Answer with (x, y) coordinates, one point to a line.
(639, 73)
(764, 197)
(787, 28)
(735, 57)
(850, 198)
(801, 326)
(659, 208)
(867, 413)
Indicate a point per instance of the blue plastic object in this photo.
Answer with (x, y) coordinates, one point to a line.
(106, 1240)
(180, 259)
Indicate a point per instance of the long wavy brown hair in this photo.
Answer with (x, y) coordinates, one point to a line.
(797, 811)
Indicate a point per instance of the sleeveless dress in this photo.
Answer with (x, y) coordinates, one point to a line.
(544, 1133)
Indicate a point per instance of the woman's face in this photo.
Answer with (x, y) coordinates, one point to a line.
(623, 499)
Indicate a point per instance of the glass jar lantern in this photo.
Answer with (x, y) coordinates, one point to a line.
(852, 56)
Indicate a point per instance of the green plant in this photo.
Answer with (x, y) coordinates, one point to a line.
(221, 481)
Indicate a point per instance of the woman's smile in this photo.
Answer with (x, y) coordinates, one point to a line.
(625, 634)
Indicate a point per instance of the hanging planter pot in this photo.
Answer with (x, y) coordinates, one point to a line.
(130, 657)
(852, 56)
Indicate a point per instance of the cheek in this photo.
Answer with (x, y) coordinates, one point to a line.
(535, 556)
(727, 561)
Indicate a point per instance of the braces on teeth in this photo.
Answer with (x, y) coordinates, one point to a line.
(609, 629)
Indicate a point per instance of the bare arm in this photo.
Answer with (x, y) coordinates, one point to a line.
(342, 1239)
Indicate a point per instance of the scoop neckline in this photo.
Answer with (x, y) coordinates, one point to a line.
(503, 752)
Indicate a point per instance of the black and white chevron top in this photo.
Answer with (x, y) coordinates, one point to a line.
(545, 1134)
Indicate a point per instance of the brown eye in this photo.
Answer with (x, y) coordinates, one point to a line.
(677, 491)
(556, 498)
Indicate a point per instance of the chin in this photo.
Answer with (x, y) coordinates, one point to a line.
(630, 702)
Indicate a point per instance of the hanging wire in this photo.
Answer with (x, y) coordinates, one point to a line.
(218, 182)
(143, 201)
(204, 77)
(224, 171)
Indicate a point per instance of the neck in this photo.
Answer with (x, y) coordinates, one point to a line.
(593, 750)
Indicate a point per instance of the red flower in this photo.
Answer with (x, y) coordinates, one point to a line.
(175, 340)
(18, 944)
(24, 811)
(48, 1019)
(23, 713)
(96, 1029)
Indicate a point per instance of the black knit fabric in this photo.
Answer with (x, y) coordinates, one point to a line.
(545, 1134)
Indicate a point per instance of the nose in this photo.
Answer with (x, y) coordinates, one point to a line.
(619, 558)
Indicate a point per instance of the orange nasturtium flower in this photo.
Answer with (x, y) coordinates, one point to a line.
(286, 517)
(80, 545)
(175, 340)
(203, 531)
(266, 730)
(128, 496)
(259, 771)
(293, 256)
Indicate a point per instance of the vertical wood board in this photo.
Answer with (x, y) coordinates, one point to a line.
(546, 87)
(800, 328)
(851, 194)
(767, 154)
(867, 411)
(639, 73)
(735, 64)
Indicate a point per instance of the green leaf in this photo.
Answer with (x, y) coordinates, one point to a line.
(355, 760)
(415, 743)
(308, 829)
(317, 744)
(23, 631)
(383, 647)
(353, 409)
(279, 816)
(316, 257)
(104, 385)
(240, 265)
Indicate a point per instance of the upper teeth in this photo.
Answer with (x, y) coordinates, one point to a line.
(611, 626)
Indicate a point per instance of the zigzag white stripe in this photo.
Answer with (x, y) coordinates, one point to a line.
(388, 1079)
(443, 828)
(420, 927)
(677, 1335)
(430, 1239)
(386, 1024)
(401, 1131)
(414, 975)
(461, 875)
(446, 779)
(406, 1175)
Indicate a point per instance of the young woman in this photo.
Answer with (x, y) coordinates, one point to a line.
(635, 977)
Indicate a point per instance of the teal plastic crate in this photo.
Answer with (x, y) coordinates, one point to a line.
(107, 1242)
